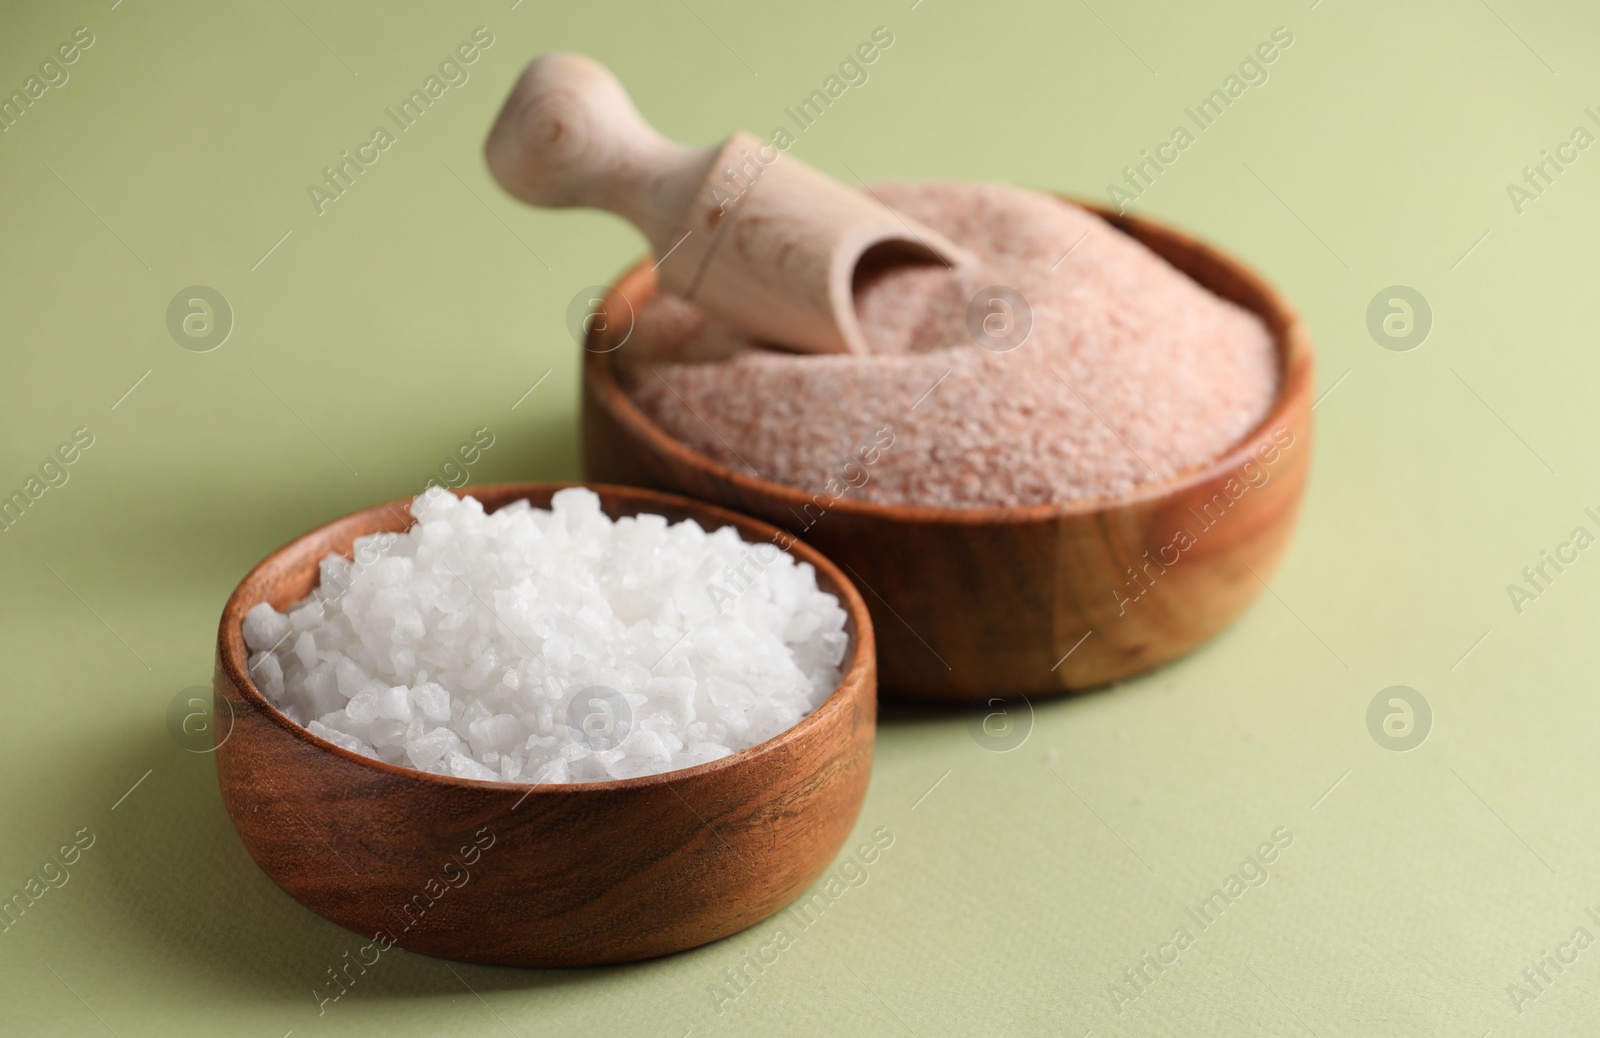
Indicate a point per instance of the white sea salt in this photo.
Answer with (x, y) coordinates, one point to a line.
(550, 646)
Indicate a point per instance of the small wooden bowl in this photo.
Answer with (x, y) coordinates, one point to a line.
(539, 875)
(1034, 600)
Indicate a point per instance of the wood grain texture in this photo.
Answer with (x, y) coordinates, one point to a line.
(569, 135)
(750, 233)
(771, 246)
(1034, 600)
(549, 875)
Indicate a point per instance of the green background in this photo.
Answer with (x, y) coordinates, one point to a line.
(422, 305)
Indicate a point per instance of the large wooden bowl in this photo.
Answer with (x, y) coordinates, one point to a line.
(1033, 600)
(538, 875)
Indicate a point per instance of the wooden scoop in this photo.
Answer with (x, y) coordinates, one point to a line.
(746, 232)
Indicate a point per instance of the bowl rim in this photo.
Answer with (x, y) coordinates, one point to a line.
(1291, 347)
(858, 669)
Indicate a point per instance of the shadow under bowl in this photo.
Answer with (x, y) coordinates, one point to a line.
(539, 875)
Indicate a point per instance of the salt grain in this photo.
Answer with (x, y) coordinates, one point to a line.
(550, 646)
(1131, 373)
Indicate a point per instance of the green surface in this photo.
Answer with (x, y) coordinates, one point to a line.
(423, 304)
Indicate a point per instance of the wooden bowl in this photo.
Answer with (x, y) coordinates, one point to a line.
(538, 875)
(1033, 600)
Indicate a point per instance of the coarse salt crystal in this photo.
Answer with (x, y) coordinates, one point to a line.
(551, 646)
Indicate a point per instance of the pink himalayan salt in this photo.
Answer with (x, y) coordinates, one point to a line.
(1132, 371)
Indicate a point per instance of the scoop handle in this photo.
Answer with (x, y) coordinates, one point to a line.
(776, 261)
(569, 135)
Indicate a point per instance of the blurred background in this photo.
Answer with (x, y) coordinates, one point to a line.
(348, 345)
